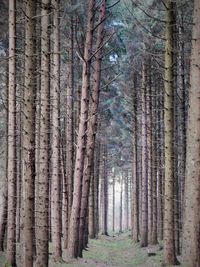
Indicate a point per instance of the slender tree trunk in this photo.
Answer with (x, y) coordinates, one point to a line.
(92, 124)
(42, 209)
(73, 242)
(96, 187)
(135, 189)
(191, 227)
(154, 239)
(12, 166)
(144, 199)
(91, 222)
(55, 156)
(105, 193)
(3, 222)
(69, 126)
(169, 242)
(126, 201)
(121, 205)
(29, 129)
(113, 206)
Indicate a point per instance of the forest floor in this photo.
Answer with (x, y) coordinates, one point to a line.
(112, 251)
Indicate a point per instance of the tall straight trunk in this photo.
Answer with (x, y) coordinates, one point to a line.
(92, 123)
(126, 202)
(38, 113)
(73, 239)
(96, 186)
(91, 221)
(29, 129)
(148, 142)
(3, 222)
(42, 208)
(144, 198)
(135, 189)
(113, 203)
(105, 192)
(12, 166)
(19, 172)
(70, 123)
(121, 205)
(160, 165)
(55, 156)
(154, 239)
(169, 242)
(191, 227)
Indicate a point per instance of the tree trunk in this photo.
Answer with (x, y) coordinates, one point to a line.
(12, 166)
(92, 123)
(91, 206)
(191, 227)
(113, 204)
(42, 209)
(169, 242)
(55, 145)
(73, 242)
(135, 189)
(126, 202)
(69, 126)
(144, 199)
(154, 239)
(121, 205)
(29, 129)
(3, 222)
(105, 193)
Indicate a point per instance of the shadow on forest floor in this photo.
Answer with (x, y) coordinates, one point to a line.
(113, 251)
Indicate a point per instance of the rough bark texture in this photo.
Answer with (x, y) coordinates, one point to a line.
(12, 166)
(69, 126)
(191, 228)
(73, 239)
(92, 122)
(135, 193)
(144, 199)
(169, 242)
(55, 155)
(42, 209)
(29, 130)
(3, 222)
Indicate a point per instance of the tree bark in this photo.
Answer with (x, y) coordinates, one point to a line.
(144, 199)
(55, 156)
(169, 242)
(12, 164)
(73, 242)
(92, 122)
(29, 130)
(42, 209)
(135, 189)
(191, 227)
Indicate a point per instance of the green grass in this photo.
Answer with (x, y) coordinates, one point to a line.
(118, 251)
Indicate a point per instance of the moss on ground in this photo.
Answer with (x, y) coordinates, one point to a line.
(115, 251)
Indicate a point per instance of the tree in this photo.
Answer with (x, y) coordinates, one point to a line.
(92, 122)
(12, 166)
(144, 198)
(29, 130)
(42, 208)
(73, 243)
(55, 156)
(169, 242)
(191, 226)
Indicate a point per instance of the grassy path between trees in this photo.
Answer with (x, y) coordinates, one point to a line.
(113, 251)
